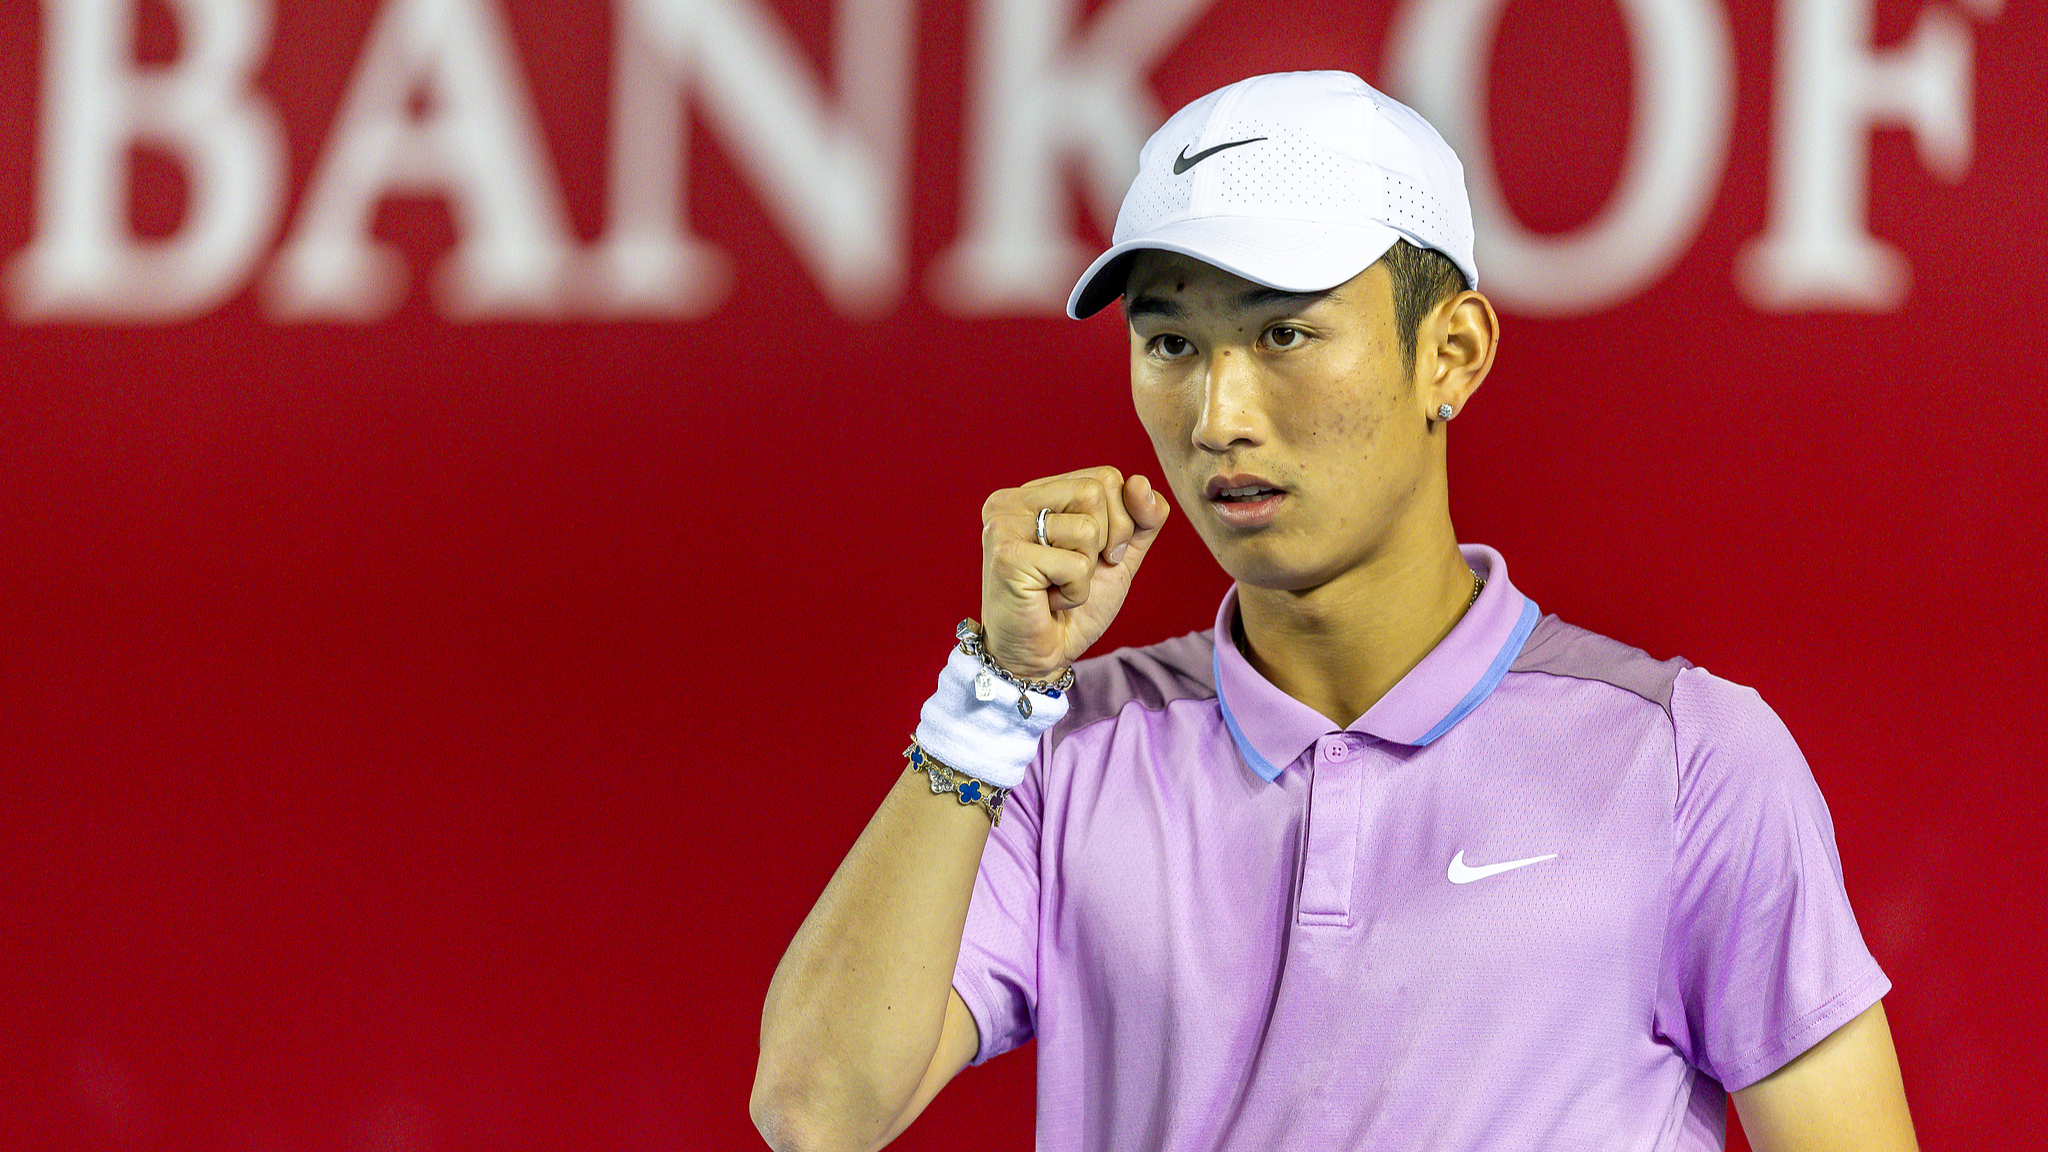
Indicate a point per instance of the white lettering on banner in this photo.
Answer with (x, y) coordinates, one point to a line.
(834, 181)
(1038, 104)
(85, 261)
(479, 146)
(1832, 90)
(1053, 96)
(1439, 52)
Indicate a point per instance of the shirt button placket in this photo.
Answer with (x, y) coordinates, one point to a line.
(1331, 859)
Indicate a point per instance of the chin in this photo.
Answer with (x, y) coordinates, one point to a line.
(1280, 581)
(1268, 572)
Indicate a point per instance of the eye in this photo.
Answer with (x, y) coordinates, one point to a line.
(1284, 336)
(1170, 346)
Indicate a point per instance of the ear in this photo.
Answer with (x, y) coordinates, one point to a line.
(1454, 351)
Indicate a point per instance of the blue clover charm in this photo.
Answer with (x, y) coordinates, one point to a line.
(970, 791)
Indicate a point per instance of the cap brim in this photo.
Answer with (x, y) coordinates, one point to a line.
(1285, 254)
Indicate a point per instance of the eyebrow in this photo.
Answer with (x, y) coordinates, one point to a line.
(1251, 299)
(1153, 306)
(1263, 298)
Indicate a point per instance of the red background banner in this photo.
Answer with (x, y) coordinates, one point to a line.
(432, 703)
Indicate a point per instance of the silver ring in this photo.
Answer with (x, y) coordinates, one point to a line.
(1041, 528)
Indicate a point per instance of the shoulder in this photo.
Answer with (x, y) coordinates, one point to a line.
(1558, 649)
(1731, 744)
(1715, 723)
(1149, 677)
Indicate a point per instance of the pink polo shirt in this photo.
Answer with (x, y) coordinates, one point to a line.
(1547, 893)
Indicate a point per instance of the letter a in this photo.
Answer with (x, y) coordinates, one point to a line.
(480, 147)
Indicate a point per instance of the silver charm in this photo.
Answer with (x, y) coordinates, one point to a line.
(984, 686)
(1024, 704)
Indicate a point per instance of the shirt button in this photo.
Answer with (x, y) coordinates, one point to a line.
(1337, 750)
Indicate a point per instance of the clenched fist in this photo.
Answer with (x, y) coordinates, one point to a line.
(1044, 604)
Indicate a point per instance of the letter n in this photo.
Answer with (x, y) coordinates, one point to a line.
(832, 180)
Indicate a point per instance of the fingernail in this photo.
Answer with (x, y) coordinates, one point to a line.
(1116, 554)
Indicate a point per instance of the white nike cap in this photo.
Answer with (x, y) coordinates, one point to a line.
(1296, 180)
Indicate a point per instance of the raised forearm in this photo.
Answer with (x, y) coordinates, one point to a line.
(856, 1008)
(855, 1037)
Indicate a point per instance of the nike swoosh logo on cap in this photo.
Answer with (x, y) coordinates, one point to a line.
(1463, 873)
(1183, 162)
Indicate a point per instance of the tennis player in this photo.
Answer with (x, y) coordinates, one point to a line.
(1385, 858)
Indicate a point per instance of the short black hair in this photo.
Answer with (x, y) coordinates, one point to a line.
(1423, 278)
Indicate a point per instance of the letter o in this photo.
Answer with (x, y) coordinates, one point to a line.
(1438, 55)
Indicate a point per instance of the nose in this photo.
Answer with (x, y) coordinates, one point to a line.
(1230, 415)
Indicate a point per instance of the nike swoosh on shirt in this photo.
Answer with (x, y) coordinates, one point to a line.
(1183, 162)
(1463, 873)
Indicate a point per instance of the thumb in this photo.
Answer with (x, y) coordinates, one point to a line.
(1148, 511)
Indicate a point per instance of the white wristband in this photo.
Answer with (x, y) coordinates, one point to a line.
(984, 738)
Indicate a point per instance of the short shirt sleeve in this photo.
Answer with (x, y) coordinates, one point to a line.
(997, 972)
(1763, 957)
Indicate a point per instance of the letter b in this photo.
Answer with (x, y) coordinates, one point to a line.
(85, 261)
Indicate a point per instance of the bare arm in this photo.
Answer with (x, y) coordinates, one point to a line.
(861, 1027)
(1842, 1095)
(857, 1018)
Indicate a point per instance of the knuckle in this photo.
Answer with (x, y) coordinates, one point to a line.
(995, 504)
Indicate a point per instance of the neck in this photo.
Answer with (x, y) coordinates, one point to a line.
(1341, 646)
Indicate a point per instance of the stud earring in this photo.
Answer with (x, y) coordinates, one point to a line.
(1445, 412)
